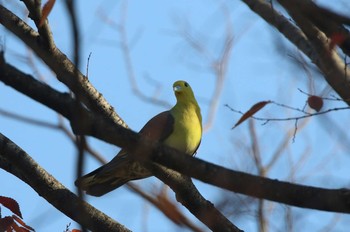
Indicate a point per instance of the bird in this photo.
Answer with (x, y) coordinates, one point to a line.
(179, 128)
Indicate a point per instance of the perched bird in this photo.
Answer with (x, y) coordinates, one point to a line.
(179, 128)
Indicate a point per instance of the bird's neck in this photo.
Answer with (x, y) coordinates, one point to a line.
(187, 107)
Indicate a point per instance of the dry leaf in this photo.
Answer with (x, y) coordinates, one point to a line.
(336, 39)
(25, 226)
(255, 108)
(46, 11)
(5, 223)
(315, 102)
(11, 204)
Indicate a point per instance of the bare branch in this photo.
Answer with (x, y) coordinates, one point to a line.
(335, 200)
(218, 66)
(25, 119)
(306, 114)
(35, 13)
(298, 195)
(169, 209)
(97, 126)
(65, 70)
(16, 161)
(310, 40)
(190, 197)
(126, 52)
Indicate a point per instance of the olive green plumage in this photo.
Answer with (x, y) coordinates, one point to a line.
(179, 128)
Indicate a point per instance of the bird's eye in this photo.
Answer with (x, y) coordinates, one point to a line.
(186, 84)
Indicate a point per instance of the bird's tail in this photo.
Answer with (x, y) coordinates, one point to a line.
(112, 175)
(97, 184)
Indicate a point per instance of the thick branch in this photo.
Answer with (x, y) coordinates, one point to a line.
(60, 64)
(264, 188)
(328, 61)
(16, 161)
(334, 200)
(330, 23)
(313, 45)
(108, 131)
(191, 198)
(35, 13)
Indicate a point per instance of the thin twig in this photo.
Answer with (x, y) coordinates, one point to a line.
(28, 120)
(266, 120)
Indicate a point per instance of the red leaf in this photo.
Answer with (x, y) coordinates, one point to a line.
(46, 11)
(76, 230)
(11, 204)
(315, 102)
(25, 226)
(255, 108)
(16, 228)
(336, 39)
(6, 223)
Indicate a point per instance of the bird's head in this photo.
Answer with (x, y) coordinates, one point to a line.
(183, 91)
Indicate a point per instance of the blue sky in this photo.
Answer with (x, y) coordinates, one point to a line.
(161, 55)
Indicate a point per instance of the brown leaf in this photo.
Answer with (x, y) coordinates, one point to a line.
(336, 39)
(25, 226)
(16, 228)
(255, 108)
(46, 11)
(6, 223)
(11, 204)
(315, 102)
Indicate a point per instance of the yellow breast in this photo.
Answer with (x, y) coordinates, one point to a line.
(187, 130)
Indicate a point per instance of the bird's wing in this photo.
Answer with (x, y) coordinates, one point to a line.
(159, 127)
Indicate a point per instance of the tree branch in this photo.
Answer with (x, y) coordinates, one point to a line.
(17, 162)
(96, 125)
(310, 41)
(35, 13)
(191, 198)
(335, 200)
(59, 63)
(330, 23)
(336, 73)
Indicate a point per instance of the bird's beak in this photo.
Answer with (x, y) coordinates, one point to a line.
(177, 88)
